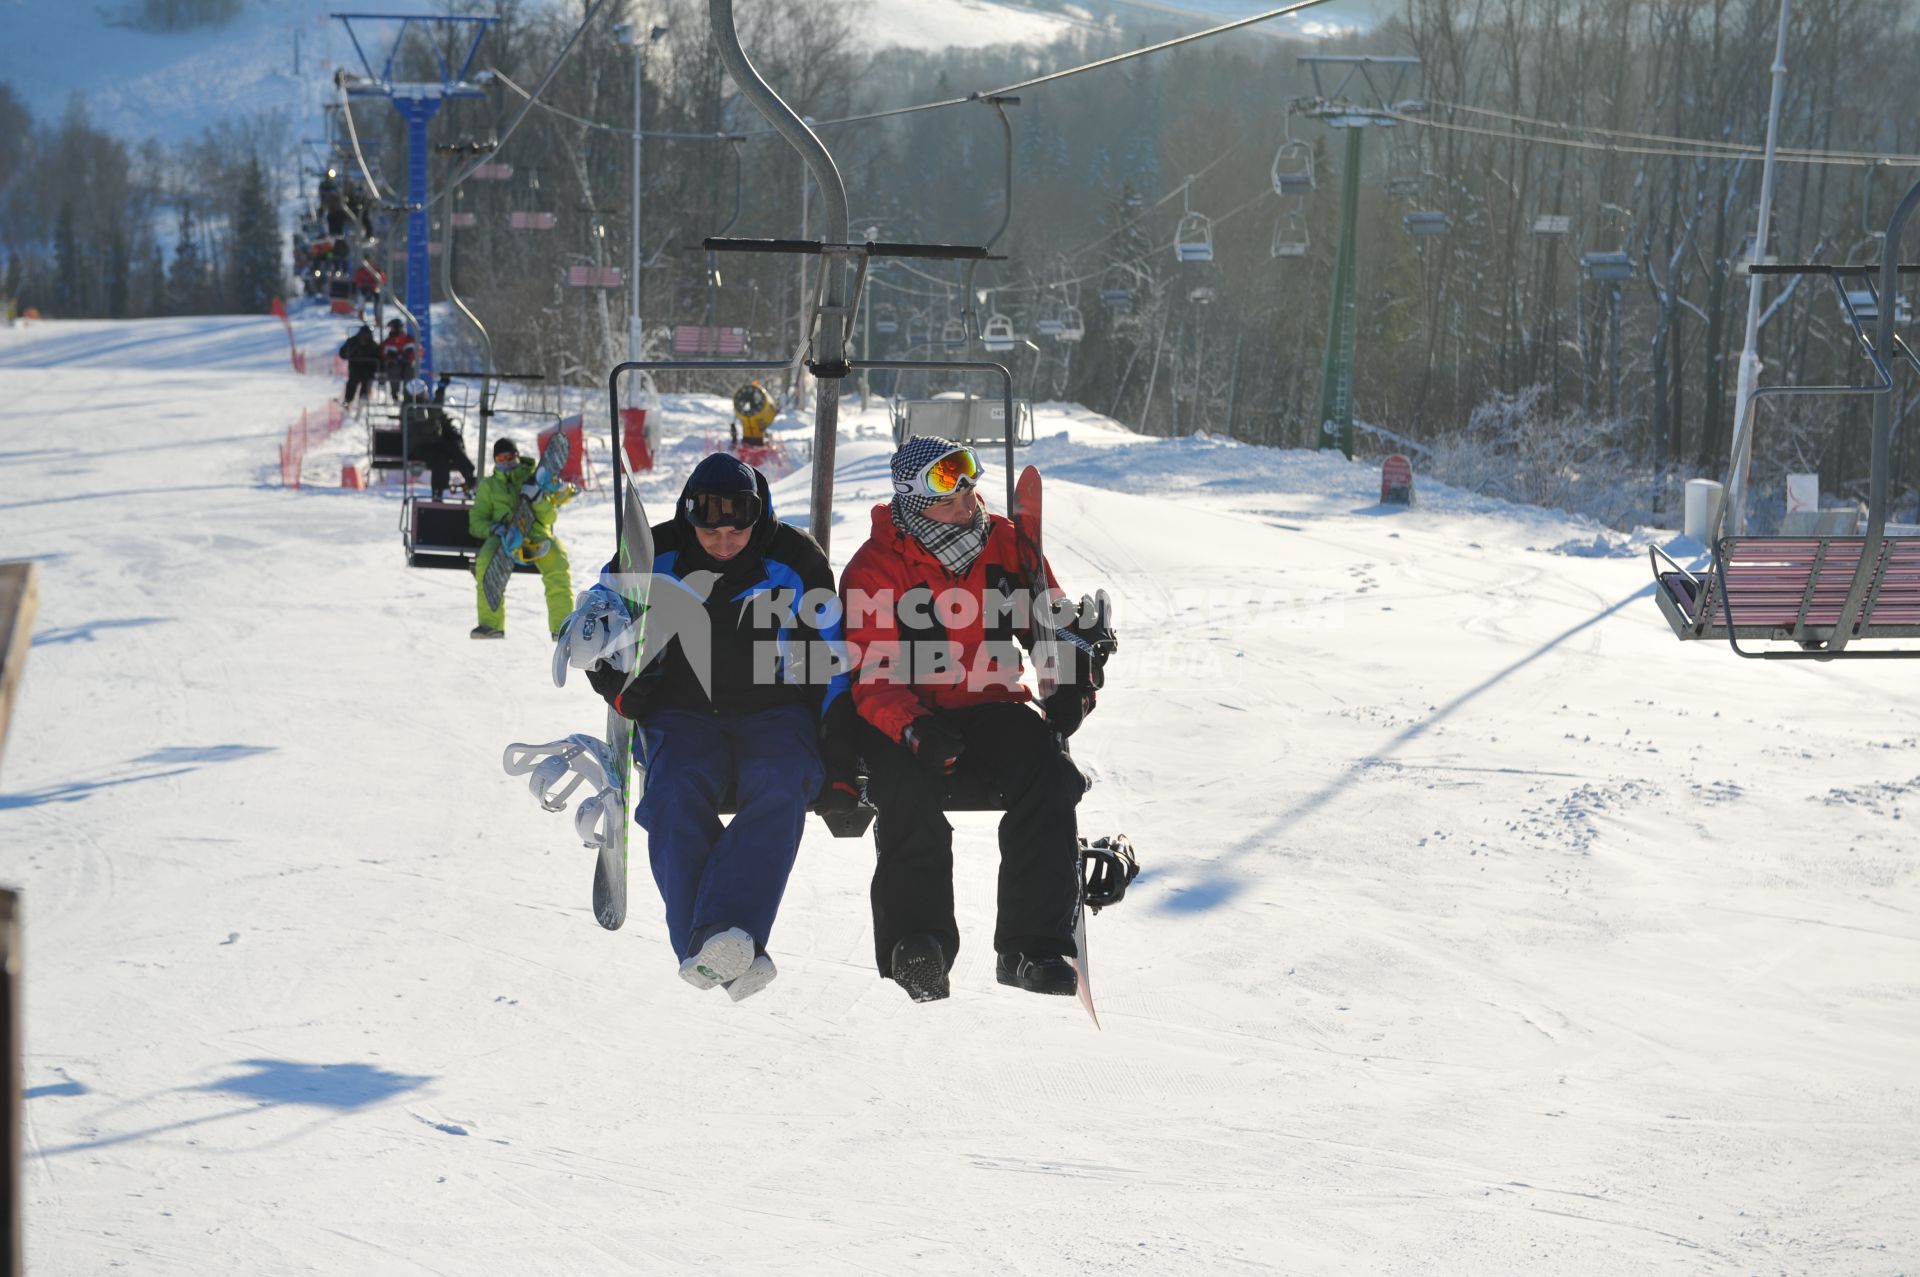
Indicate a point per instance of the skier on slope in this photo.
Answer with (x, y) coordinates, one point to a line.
(400, 356)
(433, 438)
(493, 505)
(746, 695)
(362, 355)
(937, 685)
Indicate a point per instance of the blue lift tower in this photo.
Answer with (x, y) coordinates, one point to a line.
(416, 102)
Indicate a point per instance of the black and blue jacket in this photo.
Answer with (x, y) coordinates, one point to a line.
(772, 630)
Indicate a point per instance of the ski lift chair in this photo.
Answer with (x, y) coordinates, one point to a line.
(1051, 326)
(885, 321)
(1607, 267)
(386, 440)
(1423, 223)
(1552, 224)
(1072, 325)
(1193, 239)
(953, 332)
(1865, 303)
(1819, 593)
(1290, 237)
(997, 334)
(1293, 169)
(979, 423)
(1201, 294)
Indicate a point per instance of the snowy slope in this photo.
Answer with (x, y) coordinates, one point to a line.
(960, 24)
(138, 85)
(172, 87)
(1484, 928)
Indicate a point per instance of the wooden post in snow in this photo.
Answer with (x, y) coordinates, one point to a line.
(17, 603)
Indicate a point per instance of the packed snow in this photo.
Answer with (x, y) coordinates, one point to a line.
(1483, 926)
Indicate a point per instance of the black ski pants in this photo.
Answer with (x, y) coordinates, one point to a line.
(1011, 752)
(444, 456)
(360, 375)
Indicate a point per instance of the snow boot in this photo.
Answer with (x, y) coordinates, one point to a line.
(920, 967)
(485, 632)
(1040, 973)
(757, 977)
(725, 956)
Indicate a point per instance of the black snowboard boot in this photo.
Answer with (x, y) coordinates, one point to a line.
(920, 968)
(1040, 973)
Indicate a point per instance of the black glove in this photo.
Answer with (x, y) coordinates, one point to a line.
(1068, 707)
(933, 744)
(837, 799)
(629, 700)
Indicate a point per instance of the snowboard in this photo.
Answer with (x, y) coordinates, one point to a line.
(1027, 524)
(633, 566)
(547, 474)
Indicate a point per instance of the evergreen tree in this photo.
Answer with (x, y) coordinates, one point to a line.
(254, 275)
(187, 282)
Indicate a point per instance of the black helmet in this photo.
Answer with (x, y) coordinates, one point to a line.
(505, 446)
(393, 324)
(1107, 865)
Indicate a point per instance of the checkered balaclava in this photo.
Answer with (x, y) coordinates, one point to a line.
(955, 546)
(913, 456)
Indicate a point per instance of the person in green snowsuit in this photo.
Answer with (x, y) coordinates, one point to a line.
(493, 505)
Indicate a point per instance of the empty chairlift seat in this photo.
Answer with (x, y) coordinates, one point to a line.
(1792, 589)
(1293, 169)
(978, 422)
(1290, 237)
(1193, 240)
(709, 340)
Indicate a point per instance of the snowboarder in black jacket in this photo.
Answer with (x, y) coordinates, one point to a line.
(745, 696)
(362, 354)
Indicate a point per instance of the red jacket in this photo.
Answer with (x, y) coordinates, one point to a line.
(917, 643)
(400, 348)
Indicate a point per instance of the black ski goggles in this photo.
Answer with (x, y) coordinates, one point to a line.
(715, 510)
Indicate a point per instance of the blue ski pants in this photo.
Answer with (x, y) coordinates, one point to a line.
(713, 876)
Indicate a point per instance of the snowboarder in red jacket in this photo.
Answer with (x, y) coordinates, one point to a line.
(936, 611)
(400, 357)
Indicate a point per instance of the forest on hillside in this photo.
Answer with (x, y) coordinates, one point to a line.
(1537, 134)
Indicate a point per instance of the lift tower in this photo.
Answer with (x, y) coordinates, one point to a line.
(1366, 92)
(417, 101)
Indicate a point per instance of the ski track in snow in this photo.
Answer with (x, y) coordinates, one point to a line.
(1482, 927)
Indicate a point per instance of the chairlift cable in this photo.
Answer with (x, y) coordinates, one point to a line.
(1740, 148)
(499, 145)
(1617, 148)
(584, 122)
(979, 96)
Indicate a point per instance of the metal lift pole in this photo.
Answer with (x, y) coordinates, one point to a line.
(829, 351)
(417, 104)
(1367, 93)
(416, 112)
(1736, 506)
(1336, 374)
